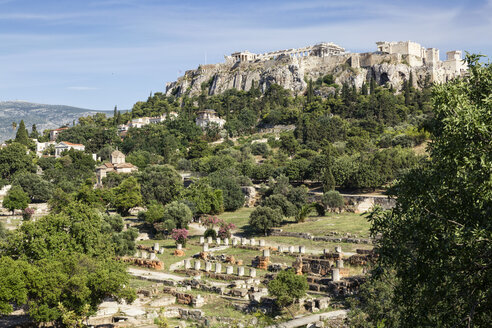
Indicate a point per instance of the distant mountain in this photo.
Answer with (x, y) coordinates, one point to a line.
(44, 116)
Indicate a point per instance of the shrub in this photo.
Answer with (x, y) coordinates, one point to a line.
(16, 199)
(210, 232)
(260, 148)
(177, 215)
(332, 199)
(27, 213)
(281, 202)
(225, 230)
(180, 236)
(265, 218)
(154, 213)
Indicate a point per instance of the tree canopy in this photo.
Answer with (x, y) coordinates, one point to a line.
(436, 242)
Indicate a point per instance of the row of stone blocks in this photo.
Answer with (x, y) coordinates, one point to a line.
(235, 241)
(218, 268)
(146, 255)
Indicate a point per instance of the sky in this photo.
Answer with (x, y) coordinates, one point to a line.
(100, 54)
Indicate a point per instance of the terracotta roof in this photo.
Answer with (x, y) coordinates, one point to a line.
(108, 164)
(124, 165)
(72, 144)
(60, 129)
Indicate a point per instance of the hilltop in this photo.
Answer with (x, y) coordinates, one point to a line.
(392, 63)
(44, 116)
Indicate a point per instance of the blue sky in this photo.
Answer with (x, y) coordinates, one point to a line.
(98, 54)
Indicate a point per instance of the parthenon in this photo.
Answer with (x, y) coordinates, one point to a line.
(319, 50)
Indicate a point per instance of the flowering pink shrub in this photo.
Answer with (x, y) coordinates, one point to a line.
(225, 229)
(180, 236)
(27, 213)
(210, 221)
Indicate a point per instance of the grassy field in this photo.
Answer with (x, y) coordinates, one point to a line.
(355, 224)
(240, 219)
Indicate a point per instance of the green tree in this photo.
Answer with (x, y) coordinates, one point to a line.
(265, 218)
(38, 189)
(153, 214)
(14, 158)
(16, 199)
(176, 215)
(34, 132)
(22, 136)
(13, 285)
(59, 201)
(127, 195)
(65, 258)
(437, 239)
(203, 199)
(161, 183)
(227, 181)
(287, 287)
(333, 200)
(328, 180)
(281, 202)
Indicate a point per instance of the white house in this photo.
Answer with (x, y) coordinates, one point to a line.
(209, 117)
(65, 145)
(41, 146)
(54, 133)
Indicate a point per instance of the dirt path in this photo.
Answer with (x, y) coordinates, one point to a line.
(310, 319)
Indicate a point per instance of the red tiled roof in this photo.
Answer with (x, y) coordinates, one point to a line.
(124, 166)
(72, 144)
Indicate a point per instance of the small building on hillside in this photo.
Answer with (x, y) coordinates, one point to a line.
(65, 145)
(208, 117)
(42, 146)
(116, 164)
(54, 133)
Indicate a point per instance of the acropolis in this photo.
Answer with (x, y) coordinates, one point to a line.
(411, 52)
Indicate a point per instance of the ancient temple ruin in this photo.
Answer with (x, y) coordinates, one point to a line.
(416, 55)
(322, 49)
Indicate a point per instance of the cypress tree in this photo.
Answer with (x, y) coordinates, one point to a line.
(22, 135)
(115, 115)
(372, 86)
(363, 90)
(310, 92)
(328, 180)
(34, 132)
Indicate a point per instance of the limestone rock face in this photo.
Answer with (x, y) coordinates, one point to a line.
(293, 73)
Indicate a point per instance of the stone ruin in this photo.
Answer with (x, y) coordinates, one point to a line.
(145, 263)
(322, 49)
(262, 262)
(195, 301)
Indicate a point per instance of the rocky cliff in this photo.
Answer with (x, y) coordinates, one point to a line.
(293, 73)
